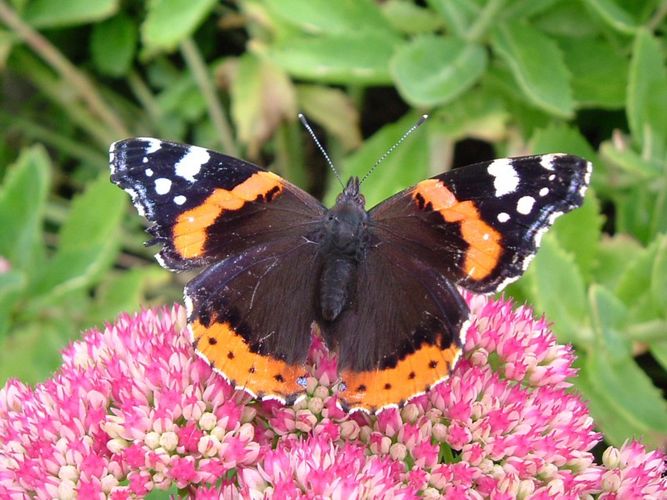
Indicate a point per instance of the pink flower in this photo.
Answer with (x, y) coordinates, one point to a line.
(319, 468)
(132, 409)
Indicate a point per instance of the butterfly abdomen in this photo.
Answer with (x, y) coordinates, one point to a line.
(338, 273)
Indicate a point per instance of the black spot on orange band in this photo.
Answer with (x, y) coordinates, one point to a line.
(249, 370)
(373, 389)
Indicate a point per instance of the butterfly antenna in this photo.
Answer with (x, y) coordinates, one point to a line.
(421, 120)
(306, 125)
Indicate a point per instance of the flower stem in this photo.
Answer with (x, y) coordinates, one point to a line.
(59, 141)
(199, 70)
(67, 71)
(485, 18)
(41, 77)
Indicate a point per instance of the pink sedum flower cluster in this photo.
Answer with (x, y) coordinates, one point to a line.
(133, 410)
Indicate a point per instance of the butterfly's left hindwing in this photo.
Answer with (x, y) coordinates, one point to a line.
(481, 225)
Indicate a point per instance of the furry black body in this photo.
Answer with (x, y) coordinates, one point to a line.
(343, 241)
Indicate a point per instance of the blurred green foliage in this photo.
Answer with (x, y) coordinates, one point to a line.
(579, 76)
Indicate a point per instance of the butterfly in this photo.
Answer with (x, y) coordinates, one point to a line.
(381, 284)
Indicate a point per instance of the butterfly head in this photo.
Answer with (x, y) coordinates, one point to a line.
(345, 223)
(351, 194)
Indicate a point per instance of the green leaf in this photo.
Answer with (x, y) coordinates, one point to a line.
(7, 41)
(659, 352)
(659, 276)
(408, 17)
(527, 117)
(182, 99)
(599, 72)
(557, 289)
(58, 14)
(481, 114)
(334, 110)
(262, 97)
(457, 14)
(647, 96)
(112, 45)
(30, 353)
(570, 20)
(523, 9)
(324, 16)
(22, 201)
(169, 22)
(124, 292)
(12, 284)
(635, 209)
(630, 162)
(404, 167)
(579, 234)
(608, 318)
(94, 216)
(433, 70)
(88, 241)
(613, 257)
(355, 58)
(633, 282)
(615, 426)
(632, 395)
(537, 65)
(614, 15)
(561, 138)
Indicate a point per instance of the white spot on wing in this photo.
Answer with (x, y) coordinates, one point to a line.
(547, 161)
(553, 217)
(538, 235)
(503, 217)
(525, 205)
(544, 191)
(180, 199)
(190, 165)
(153, 145)
(587, 178)
(161, 261)
(506, 179)
(162, 185)
(149, 172)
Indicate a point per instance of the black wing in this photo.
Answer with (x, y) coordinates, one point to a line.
(477, 227)
(206, 206)
(251, 309)
(481, 225)
(402, 333)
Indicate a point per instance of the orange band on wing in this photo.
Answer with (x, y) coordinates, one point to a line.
(261, 375)
(414, 374)
(190, 228)
(484, 248)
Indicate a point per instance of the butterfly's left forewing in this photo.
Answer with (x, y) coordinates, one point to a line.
(206, 206)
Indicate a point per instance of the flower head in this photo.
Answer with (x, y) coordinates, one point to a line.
(132, 409)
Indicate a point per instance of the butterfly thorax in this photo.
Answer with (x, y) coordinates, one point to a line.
(343, 244)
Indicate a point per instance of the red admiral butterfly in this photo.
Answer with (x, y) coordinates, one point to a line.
(381, 284)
